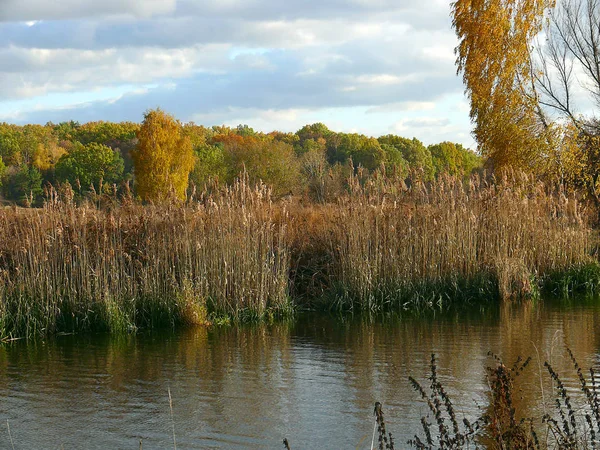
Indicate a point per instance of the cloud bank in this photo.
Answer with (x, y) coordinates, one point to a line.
(357, 65)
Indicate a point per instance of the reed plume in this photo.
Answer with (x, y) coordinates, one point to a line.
(77, 268)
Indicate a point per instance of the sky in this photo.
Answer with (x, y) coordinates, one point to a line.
(368, 66)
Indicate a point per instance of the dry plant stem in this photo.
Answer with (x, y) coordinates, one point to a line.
(172, 418)
(12, 444)
(400, 247)
(78, 268)
(573, 424)
(233, 252)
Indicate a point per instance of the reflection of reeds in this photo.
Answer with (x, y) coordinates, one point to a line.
(80, 268)
(397, 247)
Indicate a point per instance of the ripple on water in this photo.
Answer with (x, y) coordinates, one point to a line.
(314, 382)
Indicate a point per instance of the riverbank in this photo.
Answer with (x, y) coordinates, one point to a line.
(235, 254)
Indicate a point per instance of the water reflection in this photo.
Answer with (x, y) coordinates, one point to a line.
(313, 382)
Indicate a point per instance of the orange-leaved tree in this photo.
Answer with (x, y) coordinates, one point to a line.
(494, 56)
(163, 158)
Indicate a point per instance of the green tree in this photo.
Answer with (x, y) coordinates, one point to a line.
(289, 138)
(103, 132)
(198, 134)
(2, 170)
(471, 161)
(310, 145)
(163, 158)
(24, 184)
(245, 130)
(90, 165)
(414, 152)
(34, 145)
(446, 158)
(210, 164)
(314, 131)
(363, 150)
(10, 149)
(394, 161)
(273, 162)
(65, 131)
(39, 146)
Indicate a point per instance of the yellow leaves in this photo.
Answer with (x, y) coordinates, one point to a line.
(46, 156)
(576, 161)
(493, 56)
(163, 158)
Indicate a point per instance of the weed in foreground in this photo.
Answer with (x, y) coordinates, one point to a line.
(503, 426)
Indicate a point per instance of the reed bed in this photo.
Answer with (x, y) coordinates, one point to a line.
(232, 252)
(73, 268)
(408, 247)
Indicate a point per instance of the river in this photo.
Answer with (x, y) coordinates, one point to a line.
(313, 381)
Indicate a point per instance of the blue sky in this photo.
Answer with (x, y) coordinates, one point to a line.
(370, 66)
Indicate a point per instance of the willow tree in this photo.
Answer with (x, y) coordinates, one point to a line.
(163, 158)
(494, 57)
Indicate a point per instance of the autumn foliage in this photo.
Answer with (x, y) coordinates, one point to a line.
(494, 58)
(163, 158)
(152, 160)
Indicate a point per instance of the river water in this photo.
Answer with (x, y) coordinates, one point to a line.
(313, 381)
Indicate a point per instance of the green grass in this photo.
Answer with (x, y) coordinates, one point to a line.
(579, 279)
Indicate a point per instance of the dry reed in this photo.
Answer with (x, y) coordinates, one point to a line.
(407, 247)
(117, 265)
(73, 268)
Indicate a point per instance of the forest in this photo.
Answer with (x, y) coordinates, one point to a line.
(313, 162)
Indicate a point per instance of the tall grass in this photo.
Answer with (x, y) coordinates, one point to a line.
(72, 268)
(398, 246)
(118, 265)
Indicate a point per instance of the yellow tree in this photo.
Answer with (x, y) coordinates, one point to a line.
(163, 158)
(494, 56)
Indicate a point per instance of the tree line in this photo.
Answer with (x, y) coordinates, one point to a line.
(163, 158)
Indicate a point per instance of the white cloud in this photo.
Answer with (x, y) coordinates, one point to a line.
(386, 79)
(433, 129)
(402, 107)
(32, 10)
(440, 52)
(425, 122)
(269, 63)
(38, 71)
